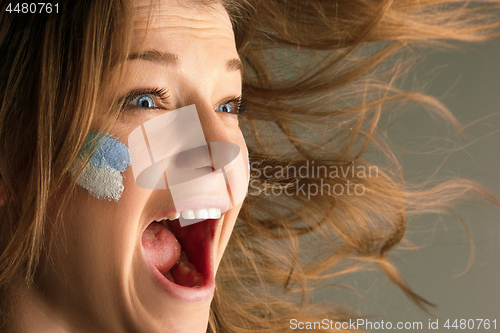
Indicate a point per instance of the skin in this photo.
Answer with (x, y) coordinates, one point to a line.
(98, 280)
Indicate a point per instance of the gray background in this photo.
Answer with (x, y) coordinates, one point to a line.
(467, 82)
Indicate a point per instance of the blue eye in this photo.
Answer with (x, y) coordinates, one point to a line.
(225, 107)
(145, 101)
(233, 106)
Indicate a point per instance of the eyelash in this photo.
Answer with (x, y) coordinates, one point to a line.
(162, 95)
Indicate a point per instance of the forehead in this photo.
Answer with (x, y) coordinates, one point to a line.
(179, 25)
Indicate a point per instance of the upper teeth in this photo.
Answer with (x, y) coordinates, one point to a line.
(189, 214)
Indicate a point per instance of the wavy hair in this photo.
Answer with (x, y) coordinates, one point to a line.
(317, 91)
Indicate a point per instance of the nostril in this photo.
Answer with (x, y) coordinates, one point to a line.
(207, 168)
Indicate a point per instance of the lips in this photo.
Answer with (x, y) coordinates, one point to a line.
(180, 258)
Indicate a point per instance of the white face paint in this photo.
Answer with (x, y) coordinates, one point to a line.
(170, 151)
(101, 176)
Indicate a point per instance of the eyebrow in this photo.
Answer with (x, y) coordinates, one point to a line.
(156, 56)
(234, 65)
(171, 59)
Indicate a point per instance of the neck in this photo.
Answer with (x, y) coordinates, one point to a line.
(32, 313)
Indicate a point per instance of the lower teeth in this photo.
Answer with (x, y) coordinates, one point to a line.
(170, 277)
(185, 273)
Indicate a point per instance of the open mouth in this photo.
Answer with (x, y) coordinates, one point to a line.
(181, 254)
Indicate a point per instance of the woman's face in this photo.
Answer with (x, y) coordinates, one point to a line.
(114, 269)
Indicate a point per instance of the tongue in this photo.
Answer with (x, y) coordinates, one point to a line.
(161, 247)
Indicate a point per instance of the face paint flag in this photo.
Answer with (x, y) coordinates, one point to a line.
(170, 151)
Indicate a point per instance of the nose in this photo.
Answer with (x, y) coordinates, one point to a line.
(221, 133)
(215, 152)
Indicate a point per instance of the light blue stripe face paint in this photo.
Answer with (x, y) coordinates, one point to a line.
(102, 177)
(110, 152)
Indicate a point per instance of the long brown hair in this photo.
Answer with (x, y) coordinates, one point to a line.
(53, 69)
(316, 92)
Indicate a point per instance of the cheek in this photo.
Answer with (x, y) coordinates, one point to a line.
(232, 215)
(226, 231)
